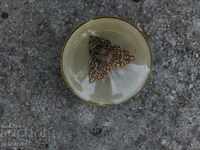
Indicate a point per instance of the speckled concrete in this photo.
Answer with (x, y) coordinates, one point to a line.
(164, 116)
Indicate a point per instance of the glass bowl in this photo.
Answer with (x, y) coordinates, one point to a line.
(122, 83)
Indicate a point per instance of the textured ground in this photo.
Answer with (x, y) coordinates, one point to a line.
(164, 116)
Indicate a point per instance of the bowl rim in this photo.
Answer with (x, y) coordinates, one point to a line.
(139, 29)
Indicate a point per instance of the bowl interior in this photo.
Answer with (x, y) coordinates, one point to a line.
(120, 84)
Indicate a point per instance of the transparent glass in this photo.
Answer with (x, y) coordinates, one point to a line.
(122, 83)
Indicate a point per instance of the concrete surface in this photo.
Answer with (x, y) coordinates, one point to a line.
(164, 116)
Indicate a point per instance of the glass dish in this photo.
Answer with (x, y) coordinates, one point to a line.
(122, 83)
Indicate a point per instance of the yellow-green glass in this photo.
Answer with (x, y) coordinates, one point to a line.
(122, 83)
